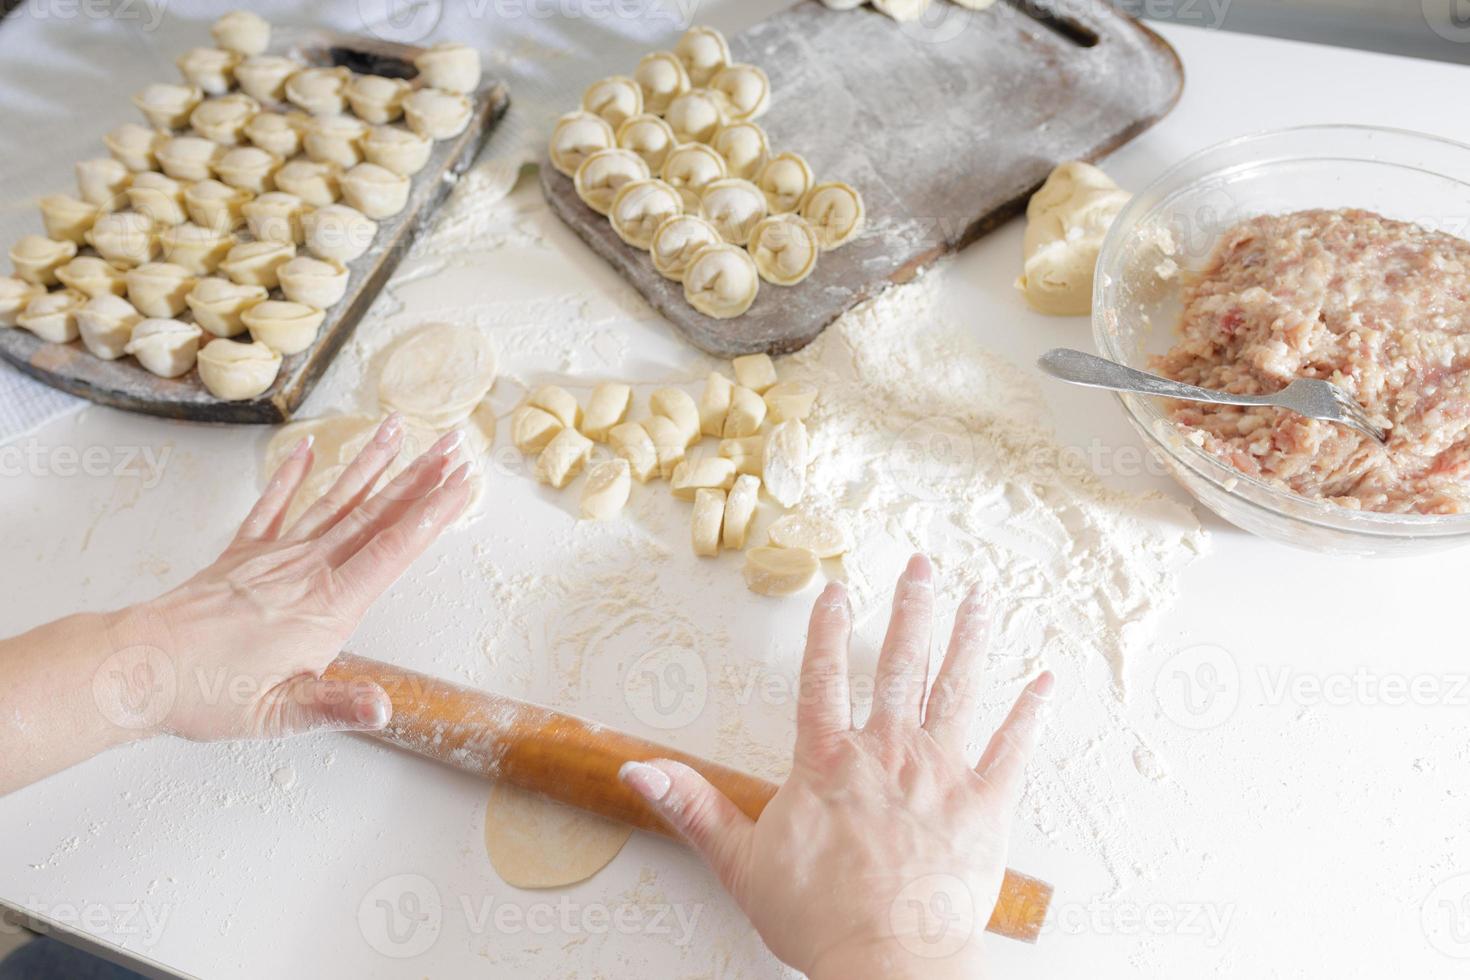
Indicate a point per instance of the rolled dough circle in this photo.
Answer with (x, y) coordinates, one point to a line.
(534, 842)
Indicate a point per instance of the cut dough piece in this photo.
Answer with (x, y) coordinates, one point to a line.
(167, 348)
(563, 458)
(790, 400)
(822, 537)
(702, 472)
(721, 281)
(747, 453)
(747, 412)
(678, 407)
(783, 463)
(707, 520)
(739, 509)
(690, 168)
(779, 571)
(576, 137)
(696, 115)
(785, 180)
(677, 240)
(661, 76)
(714, 404)
(649, 137)
(668, 444)
(744, 147)
(734, 206)
(640, 207)
(835, 212)
(234, 371)
(615, 99)
(755, 371)
(604, 173)
(703, 51)
(1066, 222)
(631, 442)
(784, 248)
(438, 374)
(607, 488)
(534, 842)
(559, 402)
(607, 407)
(531, 428)
(744, 89)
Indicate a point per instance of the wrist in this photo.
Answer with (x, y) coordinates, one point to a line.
(135, 675)
(893, 959)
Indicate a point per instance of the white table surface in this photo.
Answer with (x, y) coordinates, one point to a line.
(1296, 836)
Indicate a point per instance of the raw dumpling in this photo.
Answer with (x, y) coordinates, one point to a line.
(695, 116)
(437, 115)
(157, 289)
(52, 316)
(338, 232)
(216, 205)
(835, 212)
(439, 374)
(334, 139)
(282, 325)
(660, 76)
(395, 148)
(15, 295)
(690, 168)
(257, 263)
(603, 174)
(785, 180)
(167, 348)
(744, 147)
(320, 91)
(212, 70)
(275, 133)
(313, 182)
(133, 146)
(677, 240)
(217, 304)
(734, 207)
(233, 371)
(314, 282)
(745, 89)
(640, 207)
(168, 106)
(375, 191)
(67, 218)
(36, 258)
(263, 77)
(125, 239)
(276, 217)
(242, 32)
(158, 198)
(223, 119)
(93, 276)
(450, 67)
(649, 137)
(196, 248)
(616, 99)
(703, 51)
(103, 182)
(784, 248)
(377, 99)
(721, 281)
(106, 325)
(188, 157)
(576, 137)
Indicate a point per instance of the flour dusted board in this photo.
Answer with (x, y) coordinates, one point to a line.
(944, 129)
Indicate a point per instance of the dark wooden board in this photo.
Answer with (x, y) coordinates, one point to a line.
(125, 384)
(944, 129)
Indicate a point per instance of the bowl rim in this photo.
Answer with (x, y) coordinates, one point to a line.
(1142, 412)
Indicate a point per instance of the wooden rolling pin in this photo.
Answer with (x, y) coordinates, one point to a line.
(576, 762)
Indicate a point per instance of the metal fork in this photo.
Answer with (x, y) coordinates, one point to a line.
(1305, 396)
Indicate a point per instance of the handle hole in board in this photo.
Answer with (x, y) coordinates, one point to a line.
(1067, 27)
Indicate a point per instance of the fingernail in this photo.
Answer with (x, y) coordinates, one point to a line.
(1043, 685)
(650, 783)
(920, 570)
(834, 596)
(458, 476)
(389, 429)
(372, 712)
(449, 443)
(303, 447)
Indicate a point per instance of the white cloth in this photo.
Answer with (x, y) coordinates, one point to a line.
(68, 72)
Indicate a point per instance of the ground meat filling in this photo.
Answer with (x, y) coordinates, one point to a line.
(1381, 308)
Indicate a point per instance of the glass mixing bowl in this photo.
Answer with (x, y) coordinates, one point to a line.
(1174, 225)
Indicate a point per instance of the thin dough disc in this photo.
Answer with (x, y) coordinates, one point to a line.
(536, 843)
(438, 374)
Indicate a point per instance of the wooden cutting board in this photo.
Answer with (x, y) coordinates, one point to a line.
(945, 127)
